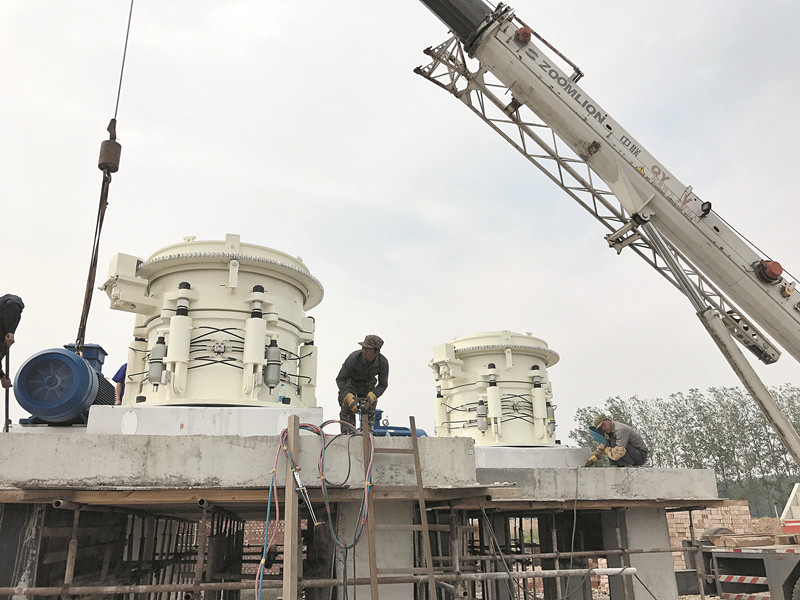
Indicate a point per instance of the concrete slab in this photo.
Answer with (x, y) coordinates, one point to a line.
(488, 457)
(58, 460)
(610, 483)
(196, 420)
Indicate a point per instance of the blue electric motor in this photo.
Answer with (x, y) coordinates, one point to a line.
(57, 386)
(391, 430)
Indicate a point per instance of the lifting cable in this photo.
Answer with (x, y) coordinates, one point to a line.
(110, 151)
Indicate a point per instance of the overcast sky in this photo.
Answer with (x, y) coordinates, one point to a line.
(301, 126)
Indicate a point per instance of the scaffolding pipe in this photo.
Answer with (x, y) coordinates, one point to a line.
(554, 538)
(578, 553)
(625, 588)
(72, 551)
(699, 563)
(202, 542)
(310, 583)
(447, 577)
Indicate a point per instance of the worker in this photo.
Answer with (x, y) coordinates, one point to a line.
(624, 446)
(364, 374)
(10, 311)
(119, 379)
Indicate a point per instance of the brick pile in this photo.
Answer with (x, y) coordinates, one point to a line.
(254, 545)
(735, 516)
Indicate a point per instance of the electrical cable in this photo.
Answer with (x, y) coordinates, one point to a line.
(287, 353)
(6, 418)
(269, 541)
(349, 461)
(511, 590)
(298, 376)
(344, 574)
(640, 581)
(572, 543)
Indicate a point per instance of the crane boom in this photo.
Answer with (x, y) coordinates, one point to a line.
(644, 187)
(657, 211)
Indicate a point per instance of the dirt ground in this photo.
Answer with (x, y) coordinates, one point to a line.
(767, 525)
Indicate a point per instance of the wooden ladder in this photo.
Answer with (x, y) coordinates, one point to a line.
(372, 526)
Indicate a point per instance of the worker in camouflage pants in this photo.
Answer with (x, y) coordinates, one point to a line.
(364, 374)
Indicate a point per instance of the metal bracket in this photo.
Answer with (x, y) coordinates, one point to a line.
(619, 239)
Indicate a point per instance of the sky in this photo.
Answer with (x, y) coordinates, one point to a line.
(301, 126)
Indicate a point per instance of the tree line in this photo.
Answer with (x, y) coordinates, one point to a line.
(721, 429)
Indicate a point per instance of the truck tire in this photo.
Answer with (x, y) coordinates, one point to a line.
(796, 590)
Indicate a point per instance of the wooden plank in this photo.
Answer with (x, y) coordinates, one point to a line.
(291, 540)
(371, 526)
(569, 504)
(460, 498)
(15, 495)
(423, 512)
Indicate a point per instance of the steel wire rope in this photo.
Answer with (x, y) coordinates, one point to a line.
(524, 418)
(750, 242)
(101, 210)
(227, 330)
(124, 56)
(210, 361)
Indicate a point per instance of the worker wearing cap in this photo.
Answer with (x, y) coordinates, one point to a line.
(364, 374)
(10, 311)
(624, 446)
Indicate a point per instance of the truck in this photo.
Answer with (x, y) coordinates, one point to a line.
(520, 90)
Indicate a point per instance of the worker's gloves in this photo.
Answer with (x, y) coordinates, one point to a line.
(372, 400)
(350, 401)
(601, 450)
(5, 382)
(616, 452)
